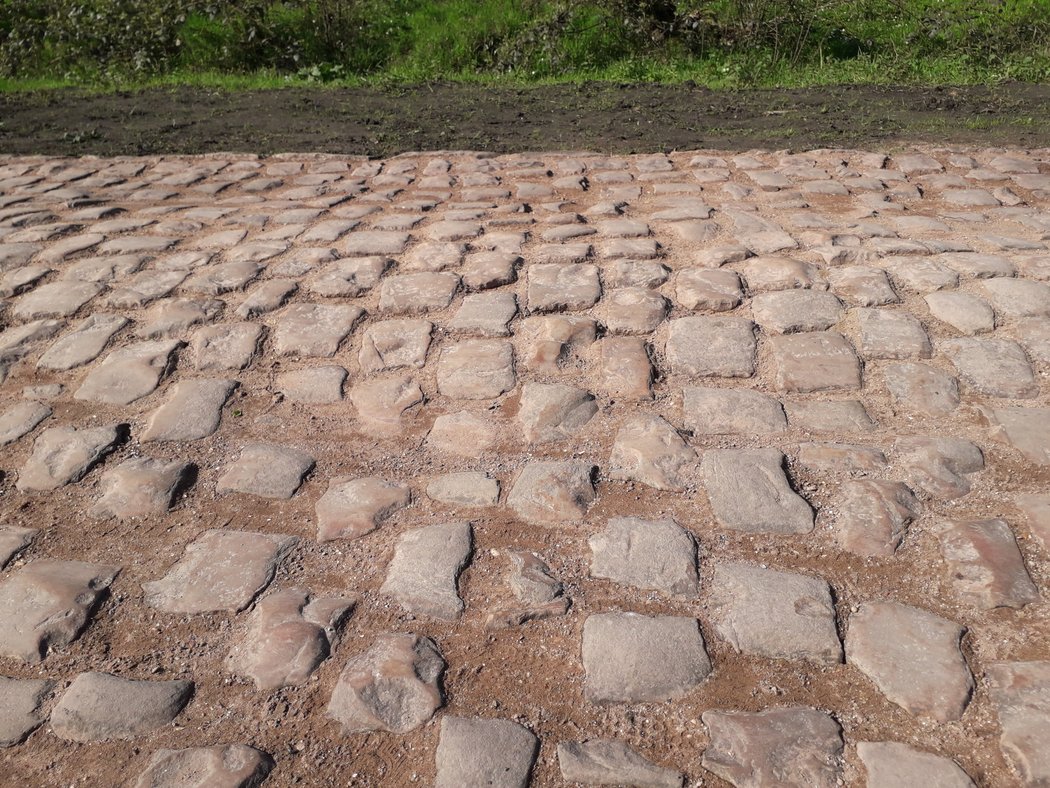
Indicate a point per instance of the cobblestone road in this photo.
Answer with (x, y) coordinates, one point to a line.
(462, 470)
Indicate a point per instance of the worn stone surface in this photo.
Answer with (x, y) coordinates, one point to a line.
(912, 656)
(607, 762)
(630, 658)
(815, 361)
(13, 540)
(921, 389)
(128, 374)
(485, 315)
(791, 746)
(1036, 508)
(480, 751)
(1020, 692)
(553, 411)
(393, 686)
(21, 419)
(141, 487)
(550, 493)
(21, 708)
(649, 450)
(191, 412)
(392, 344)
(83, 344)
(447, 434)
(354, 507)
(711, 411)
(708, 290)
(227, 346)
(313, 385)
(1027, 430)
(871, 516)
(382, 403)
(886, 333)
(233, 765)
(965, 312)
(774, 614)
(476, 369)
(314, 330)
(467, 488)
(625, 369)
(647, 554)
(220, 570)
(62, 455)
(789, 311)
(996, 367)
(267, 471)
(423, 573)
(890, 764)
(417, 293)
(556, 287)
(101, 707)
(939, 467)
(289, 636)
(749, 491)
(711, 347)
(985, 566)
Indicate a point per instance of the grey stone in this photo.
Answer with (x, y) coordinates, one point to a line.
(381, 404)
(314, 330)
(489, 269)
(129, 373)
(862, 286)
(140, 488)
(19, 341)
(83, 344)
(607, 762)
(266, 297)
(393, 686)
(939, 466)
(625, 371)
(354, 507)
(57, 299)
(174, 316)
(427, 562)
(885, 333)
(633, 310)
(222, 278)
(818, 361)
(555, 287)
(775, 614)
(62, 455)
(912, 656)
(20, 420)
(547, 493)
(227, 346)
(708, 290)
(13, 540)
(266, 470)
(647, 554)
(348, 278)
(649, 450)
(841, 458)
(221, 766)
(793, 747)
(392, 344)
(1020, 693)
(1016, 298)
(497, 753)
(871, 516)
(984, 564)
(1027, 430)
(21, 708)
(220, 570)
(102, 707)
(891, 765)
(447, 434)
(766, 273)
(313, 385)
(553, 411)
(630, 658)
(962, 311)
(373, 242)
(996, 367)
(485, 314)
(790, 311)
(749, 492)
(467, 488)
(712, 347)
(476, 369)
(413, 293)
(711, 411)
(290, 634)
(191, 412)
(921, 389)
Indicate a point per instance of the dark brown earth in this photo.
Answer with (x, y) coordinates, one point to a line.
(595, 116)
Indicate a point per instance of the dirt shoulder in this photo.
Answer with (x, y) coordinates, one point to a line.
(597, 116)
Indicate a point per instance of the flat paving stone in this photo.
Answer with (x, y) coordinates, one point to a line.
(476, 751)
(381, 403)
(82, 345)
(233, 765)
(393, 686)
(1027, 430)
(815, 361)
(220, 570)
(141, 488)
(963, 311)
(1020, 693)
(712, 347)
(656, 555)
(633, 310)
(552, 493)
(1017, 298)
(485, 314)
(423, 574)
(887, 333)
(625, 370)
(775, 614)
(191, 412)
(749, 491)
(921, 389)
(417, 293)
(556, 287)
(912, 656)
(128, 374)
(553, 411)
(102, 707)
(466, 488)
(226, 346)
(21, 708)
(871, 516)
(14, 540)
(939, 467)
(790, 746)
(1036, 509)
(791, 311)
(891, 764)
(995, 367)
(56, 299)
(267, 471)
(862, 285)
(20, 420)
(630, 658)
(708, 290)
(352, 508)
(348, 278)
(608, 762)
(313, 385)
(649, 450)
(713, 411)
(314, 330)
(63, 455)
(985, 565)
(476, 369)
(290, 634)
